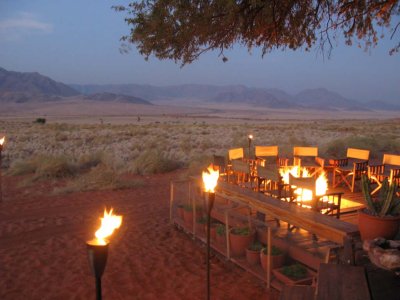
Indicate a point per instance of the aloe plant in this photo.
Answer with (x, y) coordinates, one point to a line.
(387, 203)
(220, 229)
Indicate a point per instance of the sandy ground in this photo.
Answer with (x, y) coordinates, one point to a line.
(43, 254)
(75, 111)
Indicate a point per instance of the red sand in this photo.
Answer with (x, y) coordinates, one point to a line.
(43, 254)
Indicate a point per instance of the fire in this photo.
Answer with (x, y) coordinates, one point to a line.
(109, 223)
(321, 184)
(210, 179)
(2, 140)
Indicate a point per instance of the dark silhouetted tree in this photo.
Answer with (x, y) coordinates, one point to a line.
(182, 30)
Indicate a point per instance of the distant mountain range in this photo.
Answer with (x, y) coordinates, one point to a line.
(33, 87)
(320, 99)
(20, 87)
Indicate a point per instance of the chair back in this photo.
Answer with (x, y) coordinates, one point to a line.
(236, 153)
(305, 151)
(358, 154)
(390, 159)
(219, 161)
(266, 151)
(240, 166)
(303, 182)
(269, 173)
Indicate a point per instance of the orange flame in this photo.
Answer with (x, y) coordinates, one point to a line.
(2, 140)
(109, 223)
(321, 184)
(210, 179)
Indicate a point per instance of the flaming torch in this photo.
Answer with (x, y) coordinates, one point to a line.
(1, 149)
(250, 138)
(210, 179)
(98, 247)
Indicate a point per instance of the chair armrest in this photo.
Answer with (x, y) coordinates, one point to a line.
(341, 162)
(283, 161)
(376, 170)
(320, 161)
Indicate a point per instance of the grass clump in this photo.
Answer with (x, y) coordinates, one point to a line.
(153, 162)
(45, 167)
(101, 177)
(376, 144)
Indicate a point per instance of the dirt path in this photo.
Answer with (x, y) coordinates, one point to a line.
(43, 255)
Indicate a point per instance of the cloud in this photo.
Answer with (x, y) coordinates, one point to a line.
(22, 24)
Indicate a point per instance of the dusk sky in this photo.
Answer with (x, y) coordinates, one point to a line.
(78, 42)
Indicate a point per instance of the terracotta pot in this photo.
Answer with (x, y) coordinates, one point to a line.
(200, 228)
(372, 226)
(277, 261)
(290, 281)
(220, 239)
(180, 212)
(188, 217)
(253, 257)
(213, 231)
(239, 243)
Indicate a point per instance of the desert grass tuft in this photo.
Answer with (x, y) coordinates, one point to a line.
(100, 177)
(153, 162)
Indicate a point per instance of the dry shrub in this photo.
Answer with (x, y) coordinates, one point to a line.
(44, 167)
(376, 144)
(153, 162)
(100, 177)
(89, 161)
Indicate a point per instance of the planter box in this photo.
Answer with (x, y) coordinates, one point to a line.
(291, 281)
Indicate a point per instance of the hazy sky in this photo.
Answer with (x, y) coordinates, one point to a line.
(77, 41)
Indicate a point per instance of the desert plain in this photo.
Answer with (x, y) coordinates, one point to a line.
(58, 177)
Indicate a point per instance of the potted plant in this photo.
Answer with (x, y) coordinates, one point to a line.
(220, 231)
(381, 217)
(240, 238)
(293, 274)
(277, 257)
(253, 253)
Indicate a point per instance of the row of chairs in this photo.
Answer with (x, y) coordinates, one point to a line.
(345, 171)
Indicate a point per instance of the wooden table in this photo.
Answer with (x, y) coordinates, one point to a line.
(342, 282)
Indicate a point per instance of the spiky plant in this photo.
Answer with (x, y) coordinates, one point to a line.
(386, 203)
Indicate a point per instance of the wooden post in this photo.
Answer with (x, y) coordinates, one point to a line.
(171, 201)
(269, 249)
(228, 249)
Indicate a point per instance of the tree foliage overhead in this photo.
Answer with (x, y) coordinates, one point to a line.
(182, 30)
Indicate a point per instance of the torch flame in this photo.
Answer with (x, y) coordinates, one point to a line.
(2, 140)
(210, 179)
(250, 136)
(109, 223)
